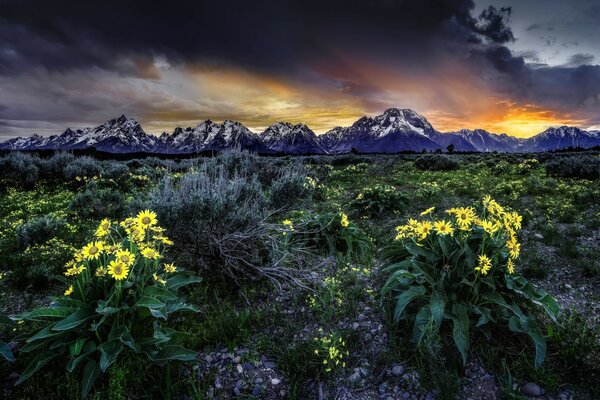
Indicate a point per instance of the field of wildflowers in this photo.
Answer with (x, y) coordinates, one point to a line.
(300, 277)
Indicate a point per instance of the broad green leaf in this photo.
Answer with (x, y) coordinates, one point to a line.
(109, 352)
(43, 314)
(171, 308)
(181, 280)
(460, 330)
(422, 318)
(43, 334)
(104, 309)
(91, 371)
(405, 298)
(73, 320)
(75, 347)
(6, 352)
(533, 331)
(159, 293)
(149, 302)
(437, 305)
(37, 363)
(175, 352)
(88, 349)
(4, 320)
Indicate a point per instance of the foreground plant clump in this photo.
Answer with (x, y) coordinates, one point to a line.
(459, 271)
(119, 293)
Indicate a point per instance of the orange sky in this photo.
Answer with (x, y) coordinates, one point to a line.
(447, 95)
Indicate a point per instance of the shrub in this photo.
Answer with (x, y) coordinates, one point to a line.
(118, 293)
(82, 166)
(333, 233)
(460, 273)
(379, 199)
(218, 219)
(98, 203)
(20, 168)
(290, 189)
(38, 230)
(583, 167)
(436, 163)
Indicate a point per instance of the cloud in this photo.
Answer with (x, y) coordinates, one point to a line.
(577, 60)
(83, 62)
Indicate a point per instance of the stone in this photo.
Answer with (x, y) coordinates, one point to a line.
(275, 381)
(354, 377)
(405, 395)
(398, 370)
(532, 389)
(368, 337)
(256, 390)
(239, 368)
(248, 366)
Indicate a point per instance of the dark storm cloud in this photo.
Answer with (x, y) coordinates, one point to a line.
(577, 60)
(268, 35)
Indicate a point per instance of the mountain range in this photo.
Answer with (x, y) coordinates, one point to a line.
(395, 130)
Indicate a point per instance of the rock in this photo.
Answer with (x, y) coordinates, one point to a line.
(269, 364)
(532, 389)
(398, 370)
(538, 236)
(275, 381)
(368, 337)
(354, 377)
(239, 368)
(256, 390)
(382, 388)
(249, 366)
(405, 395)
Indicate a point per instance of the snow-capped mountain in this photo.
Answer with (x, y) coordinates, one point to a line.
(210, 136)
(118, 135)
(561, 138)
(393, 131)
(480, 140)
(283, 137)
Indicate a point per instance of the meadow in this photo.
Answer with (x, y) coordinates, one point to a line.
(423, 276)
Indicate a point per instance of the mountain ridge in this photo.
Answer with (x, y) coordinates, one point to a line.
(395, 130)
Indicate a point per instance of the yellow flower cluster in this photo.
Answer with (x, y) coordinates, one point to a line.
(495, 221)
(333, 350)
(116, 256)
(344, 221)
(288, 225)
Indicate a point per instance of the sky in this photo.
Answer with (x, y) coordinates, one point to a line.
(507, 66)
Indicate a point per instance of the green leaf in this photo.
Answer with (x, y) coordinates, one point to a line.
(171, 308)
(533, 331)
(43, 314)
(6, 352)
(181, 280)
(91, 371)
(176, 352)
(109, 352)
(149, 302)
(73, 320)
(36, 364)
(159, 293)
(43, 334)
(88, 349)
(422, 318)
(460, 330)
(104, 309)
(75, 347)
(437, 305)
(405, 298)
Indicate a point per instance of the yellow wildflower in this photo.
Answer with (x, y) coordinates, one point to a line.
(485, 264)
(514, 247)
(158, 279)
(344, 222)
(424, 229)
(170, 268)
(510, 266)
(74, 270)
(69, 291)
(100, 272)
(488, 226)
(150, 253)
(118, 270)
(146, 218)
(428, 211)
(125, 257)
(92, 250)
(443, 227)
